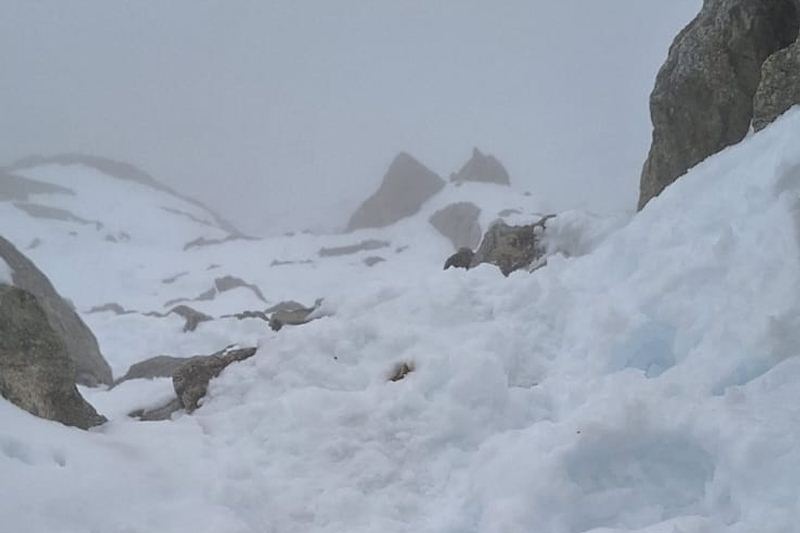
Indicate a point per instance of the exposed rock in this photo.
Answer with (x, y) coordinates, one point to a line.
(36, 372)
(288, 305)
(278, 262)
(373, 260)
(370, 244)
(482, 168)
(55, 213)
(261, 315)
(191, 380)
(18, 189)
(703, 97)
(163, 412)
(459, 222)
(292, 316)
(461, 259)
(173, 279)
(405, 187)
(193, 317)
(401, 370)
(35, 243)
(123, 171)
(512, 248)
(508, 212)
(112, 307)
(779, 88)
(81, 346)
(161, 366)
(228, 283)
(202, 241)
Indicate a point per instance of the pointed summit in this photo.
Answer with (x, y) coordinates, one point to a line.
(406, 185)
(482, 168)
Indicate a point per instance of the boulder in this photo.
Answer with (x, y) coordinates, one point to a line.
(161, 366)
(292, 316)
(81, 345)
(779, 88)
(461, 259)
(363, 246)
(703, 97)
(191, 379)
(512, 248)
(459, 222)
(482, 168)
(406, 186)
(37, 373)
(192, 317)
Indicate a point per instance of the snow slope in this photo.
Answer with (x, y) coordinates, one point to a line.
(649, 385)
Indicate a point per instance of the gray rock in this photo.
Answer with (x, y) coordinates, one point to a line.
(482, 168)
(292, 316)
(36, 372)
(459, 222)
(191, 380)
(373, 260)
(227, 283)
(19, 189)
(192, 317)
(461, 259)
(512, 248)
(161, 366)
(111, 307)
(779, 88)
(370, 244)
(406, 186)
(703, 96)
(163, 412)
(54, 213)
(81, 346)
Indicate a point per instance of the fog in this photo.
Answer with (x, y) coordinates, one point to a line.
(286, 114)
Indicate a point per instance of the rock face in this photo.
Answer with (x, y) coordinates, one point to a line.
(460, 259)
(512, 248)
(80, 344)
(191, 379)
(460, 223)
(36, 371)
(703, 97)
(779, 88)
(482, 168)
(405, 187)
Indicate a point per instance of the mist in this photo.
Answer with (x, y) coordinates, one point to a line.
(285, 115)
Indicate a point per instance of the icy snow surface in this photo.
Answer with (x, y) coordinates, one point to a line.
(649, 385)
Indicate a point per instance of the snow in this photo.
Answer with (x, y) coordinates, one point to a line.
(646, 379)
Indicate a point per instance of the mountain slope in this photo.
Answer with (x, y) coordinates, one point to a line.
(649, 385)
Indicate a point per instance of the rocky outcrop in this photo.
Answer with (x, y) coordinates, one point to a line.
(779, 88)
(191, 379)
(80, 344)
(459, 222)
(512, 248)
(405, 187)
(292, 315)
(36, 372)
(482, 168)
(192, 317)
(161, 366)
(461, 259)
(703, 97)
(363, 246)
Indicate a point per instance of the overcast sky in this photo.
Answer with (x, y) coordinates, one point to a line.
(285, 114)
